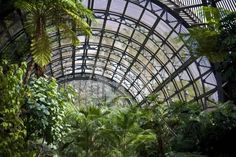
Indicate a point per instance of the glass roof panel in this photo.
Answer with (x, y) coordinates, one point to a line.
(117, 6)
(133, 11)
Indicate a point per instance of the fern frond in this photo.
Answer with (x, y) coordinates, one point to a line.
(68, 4)
(59, 13)
(80, 23)
(25, 6)
(41, 50)
(67, 32)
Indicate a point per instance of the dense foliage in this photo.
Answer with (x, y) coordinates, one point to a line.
(207, 132)
(218, 131)
(45, 109)
(12, 129)
(30, 115)
(102, 131)
(181, 129)
(41, 119)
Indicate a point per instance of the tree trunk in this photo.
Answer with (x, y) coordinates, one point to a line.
(39, 71)
(29, 70)
(160, 148)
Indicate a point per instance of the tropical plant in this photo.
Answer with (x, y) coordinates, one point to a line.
(12, 129)
(217, 39)
(184, 118)
(45, 109)
(126, 124)
(86, 132)
(228, 68)
(158, 119)
(103, 131)
(205, 41)
(217, 42)
(202, 132)
(177, 127)
(63, 15)
(218, 131)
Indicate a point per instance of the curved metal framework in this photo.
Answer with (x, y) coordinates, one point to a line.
(134, 48)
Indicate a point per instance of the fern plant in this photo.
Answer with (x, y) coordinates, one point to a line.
(64, 15)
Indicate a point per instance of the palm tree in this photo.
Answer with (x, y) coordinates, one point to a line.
(130, 137)
(64, 15)
(105, 132)
(89, 135)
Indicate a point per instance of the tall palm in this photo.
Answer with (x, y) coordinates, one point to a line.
(63, 15)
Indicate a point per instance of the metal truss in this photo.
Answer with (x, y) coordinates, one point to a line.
(135, 49)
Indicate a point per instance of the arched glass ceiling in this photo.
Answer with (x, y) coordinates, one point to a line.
(136, 45)
(134, 49)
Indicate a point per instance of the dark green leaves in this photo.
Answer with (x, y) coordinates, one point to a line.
(45, 106)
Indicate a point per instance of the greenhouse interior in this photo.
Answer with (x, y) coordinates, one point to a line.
(117, 78)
